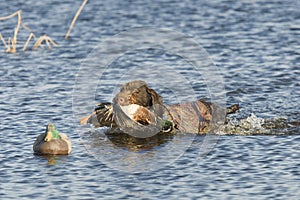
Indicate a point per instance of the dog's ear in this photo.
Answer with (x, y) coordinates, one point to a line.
(156, 102)
(155, 98)
(141, 96)
(146, 97)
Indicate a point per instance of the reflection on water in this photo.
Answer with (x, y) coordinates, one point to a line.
(130, 154)
(119, 139)
(124, 140)
(53, 159)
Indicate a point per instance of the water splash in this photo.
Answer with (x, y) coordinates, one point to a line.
(254, 125)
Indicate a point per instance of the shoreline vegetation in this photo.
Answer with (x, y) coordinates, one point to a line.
(11, 43)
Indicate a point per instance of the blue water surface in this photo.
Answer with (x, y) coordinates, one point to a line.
(255, 47)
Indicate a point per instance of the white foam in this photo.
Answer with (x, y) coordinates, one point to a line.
(249, 126)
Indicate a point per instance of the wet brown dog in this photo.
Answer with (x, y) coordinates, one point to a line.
(191, 117)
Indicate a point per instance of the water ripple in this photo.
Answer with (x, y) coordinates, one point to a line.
(255, 45)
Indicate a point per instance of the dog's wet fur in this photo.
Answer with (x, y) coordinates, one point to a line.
(192, 117)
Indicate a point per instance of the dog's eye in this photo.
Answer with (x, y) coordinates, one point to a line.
(121, 100)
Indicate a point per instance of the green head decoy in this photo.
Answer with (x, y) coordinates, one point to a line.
(52, 142)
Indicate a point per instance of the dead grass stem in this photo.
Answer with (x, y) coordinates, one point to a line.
(75, 18)
(11, 44)
(46, 39)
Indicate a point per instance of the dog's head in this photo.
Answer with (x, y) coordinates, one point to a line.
(137, 92)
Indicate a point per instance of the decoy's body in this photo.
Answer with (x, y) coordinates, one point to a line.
(52, 142)
(143, 105)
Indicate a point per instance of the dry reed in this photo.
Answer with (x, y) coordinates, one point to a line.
(40, 40)
(28, 40)
(11, 43)
(75, 18)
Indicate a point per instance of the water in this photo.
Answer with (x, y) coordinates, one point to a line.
(254, 44)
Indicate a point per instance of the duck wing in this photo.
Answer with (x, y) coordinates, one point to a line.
(101, 116)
